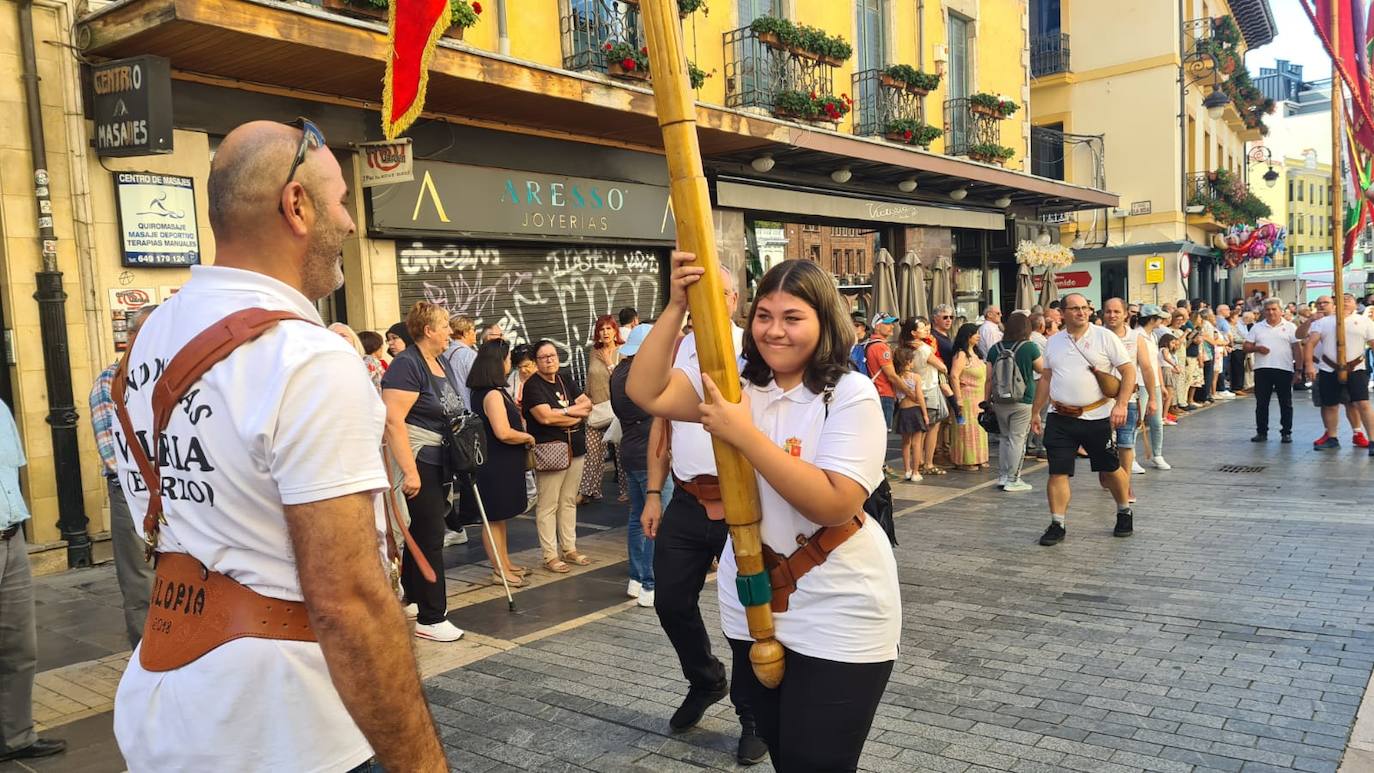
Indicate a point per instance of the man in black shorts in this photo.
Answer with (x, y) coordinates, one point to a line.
(1081, 415)
(1322, 365)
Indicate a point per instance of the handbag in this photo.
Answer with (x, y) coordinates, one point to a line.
(1109, 384)
(601, 416)
(465, 439)
(553, 455)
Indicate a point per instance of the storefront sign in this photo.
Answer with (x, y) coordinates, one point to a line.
(1141, 207)
(131, 103)
(157, 219)
(385, 163)
(1154, 270)
(457, 198)
(1066, 281)
(761, 199)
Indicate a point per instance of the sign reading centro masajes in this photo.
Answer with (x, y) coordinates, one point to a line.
(486, 201)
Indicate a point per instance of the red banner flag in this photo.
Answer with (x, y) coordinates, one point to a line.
(1350, 58)
(413, 30)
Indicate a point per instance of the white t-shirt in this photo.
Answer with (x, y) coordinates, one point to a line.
(989, 334)
(290, 418)
(692, 452)
(1359, 331)
(848, 609)
(1072, 381)
(1279, 339)
(1041, 341)
(930, 377)
(1151, 347)
(1132, 343)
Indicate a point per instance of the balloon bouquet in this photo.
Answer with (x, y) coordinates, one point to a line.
(1246, 242)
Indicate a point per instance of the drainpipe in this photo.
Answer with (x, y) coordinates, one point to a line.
(52, 321)
(502, 32)
(920, 34)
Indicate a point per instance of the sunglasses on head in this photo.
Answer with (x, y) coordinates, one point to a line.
(311, 139)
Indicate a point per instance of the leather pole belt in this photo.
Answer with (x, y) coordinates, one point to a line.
(8, 534)
(1330, 363)
(1074, 411)
(194, 610)
(706, 488)
(783, 573)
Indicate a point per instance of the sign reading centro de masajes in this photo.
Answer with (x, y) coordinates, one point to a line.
(486, 201)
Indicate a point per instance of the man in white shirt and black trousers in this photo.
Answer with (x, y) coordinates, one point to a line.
(687, 537)
(1081, 415)
(1274, 342)
(1323, 368)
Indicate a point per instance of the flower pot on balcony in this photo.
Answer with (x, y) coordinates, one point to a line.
(917, 90)
(454, 31)
(771, 40)
(832, 61)
(987, 159)
(892, 83)
(616, 71)
(804, 53)
(355, 11)
(1228, 66)
(815, 119)
(990, 112)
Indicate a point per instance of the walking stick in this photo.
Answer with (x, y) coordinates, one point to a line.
(495, 554)
(715, 346)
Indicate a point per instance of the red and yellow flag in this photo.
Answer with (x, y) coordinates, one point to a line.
(413, 30)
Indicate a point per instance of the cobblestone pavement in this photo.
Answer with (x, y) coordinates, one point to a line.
(1233, 632)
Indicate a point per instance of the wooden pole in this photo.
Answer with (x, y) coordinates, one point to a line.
(1338, 202)
(676, 107)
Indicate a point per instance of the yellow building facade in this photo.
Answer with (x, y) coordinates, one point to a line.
(1135, 73)
(523, 102)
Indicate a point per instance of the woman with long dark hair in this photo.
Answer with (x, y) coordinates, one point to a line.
(501, 479)
(968, 376)
(806, 423)
(602, 357)
(1013, 417)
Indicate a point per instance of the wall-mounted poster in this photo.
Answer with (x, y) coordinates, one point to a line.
(124, 302)
(157, 219)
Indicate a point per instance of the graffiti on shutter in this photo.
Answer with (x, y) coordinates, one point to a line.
(553, 292)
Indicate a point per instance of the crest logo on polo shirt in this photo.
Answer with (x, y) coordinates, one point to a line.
(793, 446)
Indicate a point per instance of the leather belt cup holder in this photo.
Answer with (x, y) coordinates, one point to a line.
(194, 610)
(706, 488)
(1074, 411)
(783, 573)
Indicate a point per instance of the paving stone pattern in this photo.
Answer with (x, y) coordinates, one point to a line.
(1231, 633)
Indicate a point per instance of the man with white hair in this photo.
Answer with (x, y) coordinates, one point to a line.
(990, 332)
(1274, 343)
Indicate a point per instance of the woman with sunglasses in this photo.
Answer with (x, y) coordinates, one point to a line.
(806, 422)
(555, 411)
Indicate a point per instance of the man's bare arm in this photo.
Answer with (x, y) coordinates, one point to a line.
(362, 630)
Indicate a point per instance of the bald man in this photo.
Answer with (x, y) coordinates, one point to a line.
(270, 493)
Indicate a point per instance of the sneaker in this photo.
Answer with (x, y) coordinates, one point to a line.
(916, 477)
(696, 703)
(752, 749)
(1001, 481)
(1170, 421)
(1260, 437)
(412, 611)
(634, 589)
(459, 537)
(1136, 469)
(440, 631)
(1225, 395)
(1160, 464)
(1326, 443)
(1053, 535)
(1125, 524)
(1130, 498)
(646, 599)
(1017, 485)
(1359, 440)
(1286, 438)
(906, 476)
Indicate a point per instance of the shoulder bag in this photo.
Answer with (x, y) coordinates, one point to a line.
(465, 439)
(554, 455)
(1109, 384)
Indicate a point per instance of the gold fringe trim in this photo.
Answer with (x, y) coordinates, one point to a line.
(389, 129)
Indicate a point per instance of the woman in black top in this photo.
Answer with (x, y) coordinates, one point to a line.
(419, 391)
(555, 411)
(501, 479)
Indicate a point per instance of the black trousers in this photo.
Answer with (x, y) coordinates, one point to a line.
(819, 717)
(427, 510)
(687, 541)
(1204, 393)
(1272, 381)
(1237, 370)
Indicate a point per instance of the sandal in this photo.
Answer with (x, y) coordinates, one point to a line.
(519, 571)
(518, 582)
(577, 558)
(557, 566)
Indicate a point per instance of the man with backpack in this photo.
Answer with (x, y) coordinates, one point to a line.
(1015, 362)
(877, 365)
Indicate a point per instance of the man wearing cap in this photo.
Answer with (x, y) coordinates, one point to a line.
(1274, 343)
(878, 357)
(1152, 318)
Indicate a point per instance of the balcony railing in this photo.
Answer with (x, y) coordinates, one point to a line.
(1049, 54)
(1200, 185)
(590, 24)
(1057, 155)
(756, 73)
(964, 128)
(876, 105)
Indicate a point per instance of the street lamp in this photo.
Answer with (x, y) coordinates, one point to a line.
(1261, 153)
(1216, 103)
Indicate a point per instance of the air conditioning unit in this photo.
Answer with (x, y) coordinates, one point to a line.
(1121, 212)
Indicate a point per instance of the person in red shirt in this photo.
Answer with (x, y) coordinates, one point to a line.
(878, 358)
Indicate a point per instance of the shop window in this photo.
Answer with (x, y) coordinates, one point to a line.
(749, 10)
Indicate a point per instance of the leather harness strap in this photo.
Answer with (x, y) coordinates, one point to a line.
(783, 573)
(1074, 411)
(706, 489)
(1330, 363)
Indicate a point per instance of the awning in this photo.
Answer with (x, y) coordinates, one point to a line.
(304, 52)
(1152, 248)
(782, 201)
(1317, 279)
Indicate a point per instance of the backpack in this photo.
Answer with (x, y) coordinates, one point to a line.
(1008, 382)
(858, 356)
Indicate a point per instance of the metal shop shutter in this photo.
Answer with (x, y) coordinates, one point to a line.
(533, 290)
